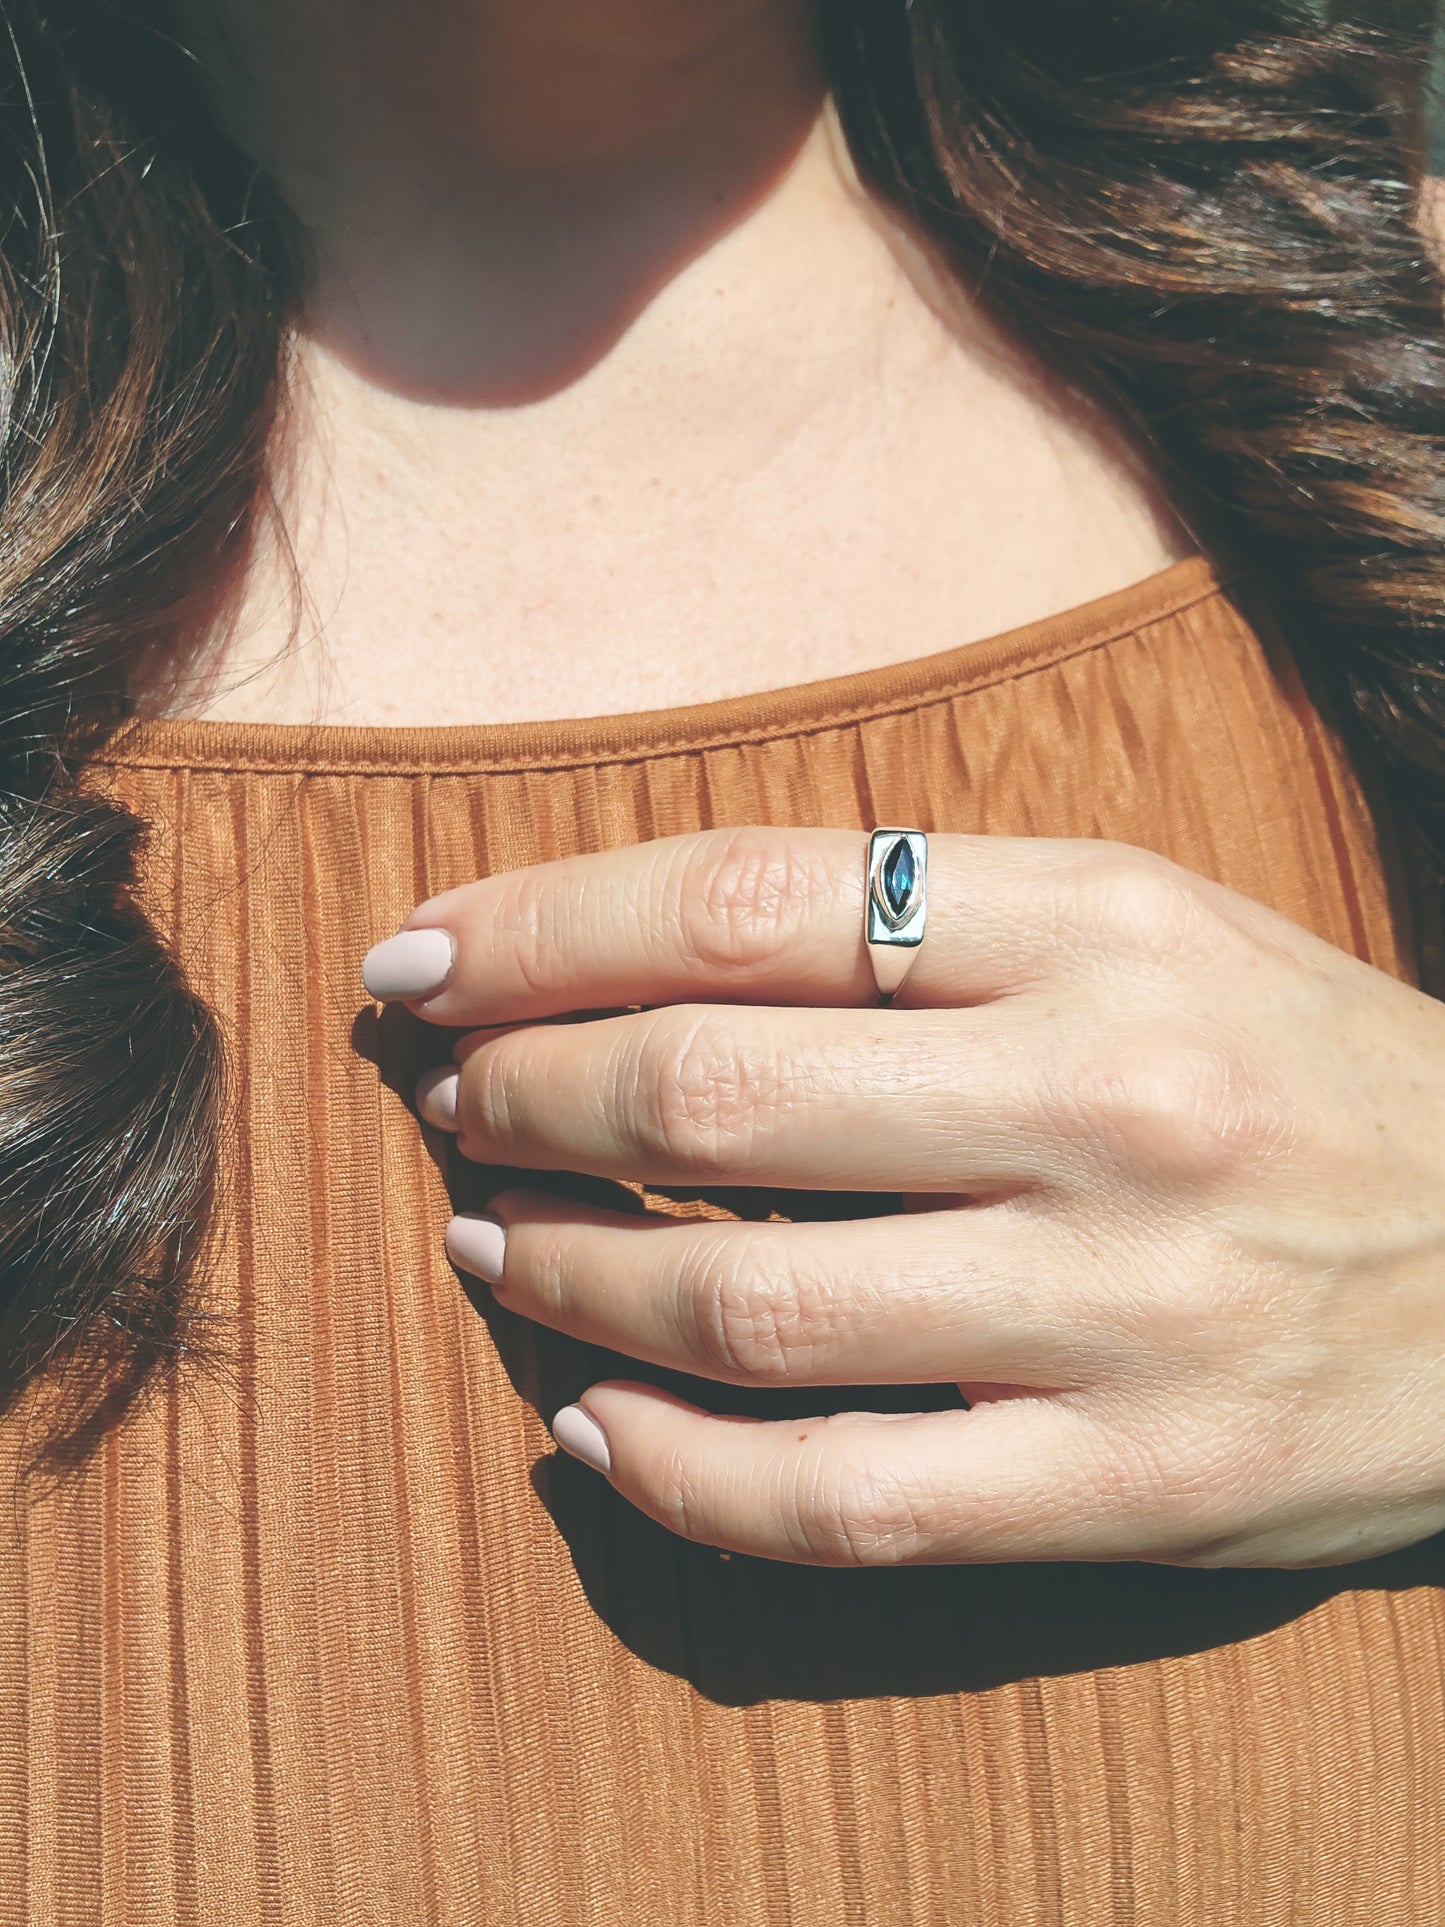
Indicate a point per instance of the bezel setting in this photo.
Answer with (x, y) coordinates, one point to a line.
(897, 888)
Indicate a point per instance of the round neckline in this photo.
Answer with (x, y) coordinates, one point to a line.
(642, 735)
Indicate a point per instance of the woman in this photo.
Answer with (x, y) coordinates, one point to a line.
(380, 379)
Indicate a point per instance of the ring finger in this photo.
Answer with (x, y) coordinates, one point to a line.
(926, 1298)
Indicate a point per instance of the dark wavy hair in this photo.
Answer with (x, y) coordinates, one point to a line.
(1206, 209)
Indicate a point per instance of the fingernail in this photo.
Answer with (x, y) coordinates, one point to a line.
(478, 1245)
(436, 1095)
(412, 964)
(579, 1433)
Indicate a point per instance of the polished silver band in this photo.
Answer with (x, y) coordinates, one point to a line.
(896, 908)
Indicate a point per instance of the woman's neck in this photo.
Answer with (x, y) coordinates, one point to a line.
(492, 190)
(707, 423)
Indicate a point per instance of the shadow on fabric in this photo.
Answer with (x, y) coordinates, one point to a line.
(743, 1630)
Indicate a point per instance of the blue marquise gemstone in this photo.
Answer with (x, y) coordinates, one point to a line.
(899, 873)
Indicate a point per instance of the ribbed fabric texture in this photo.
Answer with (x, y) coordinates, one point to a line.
(326, 1633)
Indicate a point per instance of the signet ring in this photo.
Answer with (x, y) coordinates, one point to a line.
(896, 905)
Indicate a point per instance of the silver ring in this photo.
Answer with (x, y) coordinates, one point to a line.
(896, 907)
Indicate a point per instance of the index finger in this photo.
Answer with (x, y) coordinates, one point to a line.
(755, 915)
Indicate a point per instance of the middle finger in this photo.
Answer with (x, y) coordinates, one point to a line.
(899, 1100)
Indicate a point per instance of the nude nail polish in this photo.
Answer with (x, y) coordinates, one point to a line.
(477, 1244)
(436, 1096)
(414, 963)
(579, 1433)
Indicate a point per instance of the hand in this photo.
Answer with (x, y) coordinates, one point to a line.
(1175, 1171)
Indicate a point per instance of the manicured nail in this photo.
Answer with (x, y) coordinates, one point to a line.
(477, 1244)
(436, 1095)
(413, 964)
(579, 1433)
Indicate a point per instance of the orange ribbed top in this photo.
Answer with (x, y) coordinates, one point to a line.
(329, 1635)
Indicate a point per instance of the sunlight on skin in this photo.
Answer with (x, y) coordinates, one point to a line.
(764, 444)
(1200, 1256)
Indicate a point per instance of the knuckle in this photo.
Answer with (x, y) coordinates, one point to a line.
(1136, 903)
(1181, 1111)
(697, 1097)
(551, 1278)
(528, 932)
(676, 1499)
(1179, 1480)
(855, 1515)
(492, 1095)
(750, 1321)
(742, 899)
